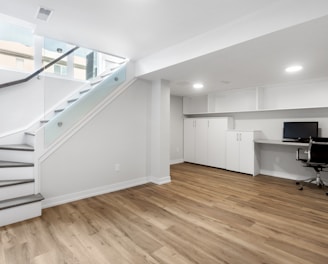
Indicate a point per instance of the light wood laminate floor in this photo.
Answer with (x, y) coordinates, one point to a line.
(205, 215)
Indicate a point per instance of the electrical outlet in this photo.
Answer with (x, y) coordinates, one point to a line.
(117, 167)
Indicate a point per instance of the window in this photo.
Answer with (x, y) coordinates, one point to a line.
(21, 50)
(60, 69)
(80, 63)
(53, 49)
(16, 47)
(19, 63)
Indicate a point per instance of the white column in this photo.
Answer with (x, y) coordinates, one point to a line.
(160, 133)
(38, 46)
(70, 66)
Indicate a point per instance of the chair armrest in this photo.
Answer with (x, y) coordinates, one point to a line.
(304, 151)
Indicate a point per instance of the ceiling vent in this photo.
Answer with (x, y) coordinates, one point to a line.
(44, 14)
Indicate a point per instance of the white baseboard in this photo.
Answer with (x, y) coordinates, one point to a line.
(294, 177)
(176, 161)
(49, 202)
(284, 175)
(160, 181)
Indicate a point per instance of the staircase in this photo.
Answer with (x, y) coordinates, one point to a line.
(19, 197)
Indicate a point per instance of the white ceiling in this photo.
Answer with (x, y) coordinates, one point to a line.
(130, 28)
(138, 28)
(254, 63)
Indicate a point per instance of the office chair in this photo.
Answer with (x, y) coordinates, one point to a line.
(316, 157)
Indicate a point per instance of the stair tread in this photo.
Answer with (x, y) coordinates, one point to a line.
(85, 91)
(23, 147)
(72, 100)
(5, 204)
(96, 81)
(14, 182)
(107, 72)
(10, 164)
(30, 133)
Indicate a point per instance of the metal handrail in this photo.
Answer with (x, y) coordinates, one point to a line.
(34, 74)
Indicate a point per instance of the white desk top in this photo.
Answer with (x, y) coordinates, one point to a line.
(280, 142)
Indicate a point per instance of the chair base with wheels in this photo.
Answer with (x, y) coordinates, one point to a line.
(316, 156)
(317, 180)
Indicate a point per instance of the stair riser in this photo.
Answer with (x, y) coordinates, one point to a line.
(13, 191)
(17, 156)
(20, 213)
(29, 140)
(21, 173)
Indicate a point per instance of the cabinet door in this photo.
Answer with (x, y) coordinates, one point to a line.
(201, 141)
(232, 151)
(189, 140)
(246, 150)
(217, 142)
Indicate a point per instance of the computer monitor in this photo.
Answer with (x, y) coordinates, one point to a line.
(300, 131)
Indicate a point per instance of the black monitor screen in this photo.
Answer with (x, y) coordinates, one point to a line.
(300, 130)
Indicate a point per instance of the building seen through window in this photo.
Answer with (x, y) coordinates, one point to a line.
(23, 51)
(16, 47)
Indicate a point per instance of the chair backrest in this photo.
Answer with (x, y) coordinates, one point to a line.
(319, 139)
(318, 148)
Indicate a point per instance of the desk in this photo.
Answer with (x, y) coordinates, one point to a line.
(277, 158)
(280, 142)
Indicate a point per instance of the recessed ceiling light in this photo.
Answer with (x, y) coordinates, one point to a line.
(198, 86)
(294, 68)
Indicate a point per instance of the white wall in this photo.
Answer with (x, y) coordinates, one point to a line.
(294, 95)
(176, 130)
(19, 104)
(310, 93)
(110, 152)
(22, 104)
(56, 88)
(196, 104)
(233, 100)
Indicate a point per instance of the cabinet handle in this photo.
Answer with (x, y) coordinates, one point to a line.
(237, 138)
(240, 135)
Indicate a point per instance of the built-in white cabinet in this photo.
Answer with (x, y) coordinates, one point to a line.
(201, 141)
(205, 140)
(241, 155)
(189, 131)
(195, 140)
(217, 141)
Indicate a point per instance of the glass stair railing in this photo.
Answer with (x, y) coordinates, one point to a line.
(78, 106)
